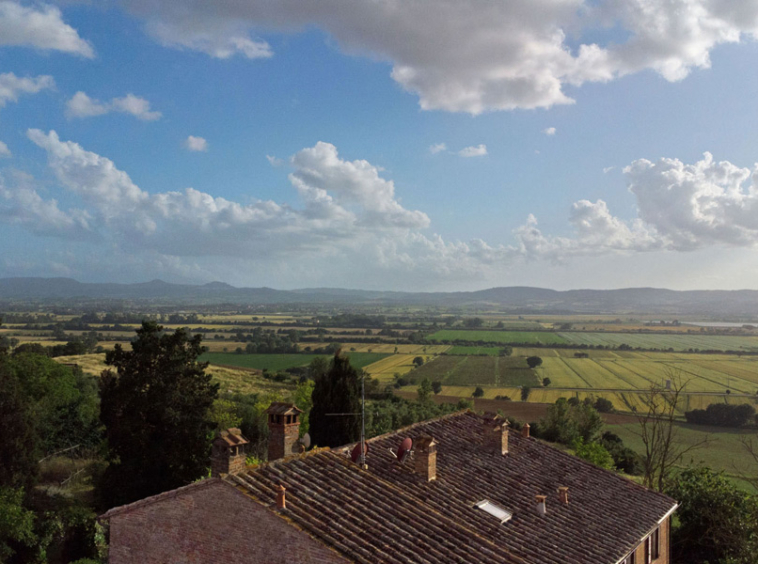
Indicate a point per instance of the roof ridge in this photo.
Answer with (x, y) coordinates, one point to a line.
(418, 424)
(119, 509)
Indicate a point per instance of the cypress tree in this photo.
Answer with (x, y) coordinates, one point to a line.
(336, 391)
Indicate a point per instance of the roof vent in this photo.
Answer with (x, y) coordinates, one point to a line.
(563, 493)
(281, 502)
(426, 458)
(525, 431)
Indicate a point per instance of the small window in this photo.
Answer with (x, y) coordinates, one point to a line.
(655, 542)
(495, 510)
(631, 559)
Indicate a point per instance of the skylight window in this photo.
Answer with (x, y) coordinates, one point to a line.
(496, 511)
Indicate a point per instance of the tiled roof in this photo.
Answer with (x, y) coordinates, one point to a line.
(390, 514)
(231, 437)
(282, 408)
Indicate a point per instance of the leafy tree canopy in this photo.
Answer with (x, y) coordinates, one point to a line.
(155, 409)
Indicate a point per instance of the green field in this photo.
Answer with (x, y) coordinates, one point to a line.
(275, 362)
(638, 371)
(477, 371)
(462, 350)
(724, 450)
(676, 342)
(650, 341)
(530, 337)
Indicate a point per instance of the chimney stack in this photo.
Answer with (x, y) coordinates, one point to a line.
(425, 457)
(563, 492)
(281, 502)
(525, 431)
(496, 435)
(283, 430)
(541, 505)
(228, 453)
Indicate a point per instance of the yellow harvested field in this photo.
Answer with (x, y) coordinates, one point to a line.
(384, 370)
(230, 379)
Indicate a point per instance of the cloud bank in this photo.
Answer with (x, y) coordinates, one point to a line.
(348, 214)
(474, 55)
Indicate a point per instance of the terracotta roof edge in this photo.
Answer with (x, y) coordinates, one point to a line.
(118, 510)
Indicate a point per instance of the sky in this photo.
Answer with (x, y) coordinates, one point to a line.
(421, 146)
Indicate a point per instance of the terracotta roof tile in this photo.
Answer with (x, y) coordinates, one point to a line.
(390, 514)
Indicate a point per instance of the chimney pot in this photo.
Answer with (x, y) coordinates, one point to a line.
(525, 431)
(541, 505)
(283, 430)
(425, 458)
(563, 492)
(496, 435)
(281, 502)
(228, 453)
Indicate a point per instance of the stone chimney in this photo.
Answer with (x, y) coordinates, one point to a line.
(541, 505)
(228, 453)
(283, 430)
(563, 493)
(425, 457)
(496, 435)
(525, 430)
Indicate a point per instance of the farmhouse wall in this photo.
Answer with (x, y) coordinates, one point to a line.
(210, 522)
(665, 536)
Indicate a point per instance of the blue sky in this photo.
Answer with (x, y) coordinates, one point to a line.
(439, 145)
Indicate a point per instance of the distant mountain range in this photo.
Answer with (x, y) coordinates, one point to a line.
(741, 304)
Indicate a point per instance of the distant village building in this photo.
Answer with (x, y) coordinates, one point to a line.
(470, 490)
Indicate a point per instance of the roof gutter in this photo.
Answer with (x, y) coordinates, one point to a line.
(658, 524)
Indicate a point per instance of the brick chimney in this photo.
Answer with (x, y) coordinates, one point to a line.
(228, 453)
(496, 435)
(425, 457)
(525, 430)
(541, 505)
(563, 493)
(283, 430)
(281, 501)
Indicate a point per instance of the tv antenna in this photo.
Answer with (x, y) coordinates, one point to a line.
(363, 421)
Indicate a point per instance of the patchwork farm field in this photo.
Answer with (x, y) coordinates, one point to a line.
(494, 371)
(638, 371)
(463, 350)
(676, 342)
(682, 342)
(274, 362)
(385, 369)
(536, 337)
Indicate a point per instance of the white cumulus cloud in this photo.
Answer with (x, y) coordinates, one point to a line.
(12, 86)
(5, 152)
(193, 143)
(437, 148)
(549, 131)
(40, 26)
(474, 55)
(82, 106)
(477, 151)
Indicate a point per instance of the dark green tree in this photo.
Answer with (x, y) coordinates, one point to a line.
(533, 361)
(156, 412)
(418, 361)
(18, 439)
(436, 387)
(506, 351)
(716, 522)
(424, 390)
(525, 391)
(479, 392)
(546, 382)
(336, 391)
